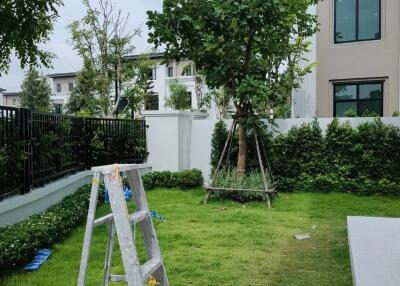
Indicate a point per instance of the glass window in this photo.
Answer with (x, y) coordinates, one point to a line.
(58, 87)
(70, 86)
(152, 102)
(170, 72)
(189, 99)
(344, 108)
(187, 71)
(345, 20)
(358, 99)
(357, 20)
(369, 20)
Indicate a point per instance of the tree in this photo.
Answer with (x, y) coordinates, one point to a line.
(24, 25)
(243, 46)
(103, 40)
(35, 91)
(179, 98)
(83, 101)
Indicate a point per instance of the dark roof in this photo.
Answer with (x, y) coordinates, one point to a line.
(2, 89)
(12, 93)
(152, 56)
(62, 75)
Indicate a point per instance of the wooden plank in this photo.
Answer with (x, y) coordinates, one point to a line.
(89, 229)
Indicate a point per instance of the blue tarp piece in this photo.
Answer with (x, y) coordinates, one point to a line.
(127, 194)
(41, 256)
(156, 215)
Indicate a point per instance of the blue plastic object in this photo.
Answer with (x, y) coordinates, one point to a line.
(127, 194)
(156, 215)
(41, 257)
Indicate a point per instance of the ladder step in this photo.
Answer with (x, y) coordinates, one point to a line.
(150, 267)
(134, 218)
(118, 278)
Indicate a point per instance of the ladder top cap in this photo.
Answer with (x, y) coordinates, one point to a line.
(107, 169)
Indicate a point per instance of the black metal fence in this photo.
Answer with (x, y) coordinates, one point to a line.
(37, 147)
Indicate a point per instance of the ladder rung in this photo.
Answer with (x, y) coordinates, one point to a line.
(117, 278)
(134, 218)
(150, 267)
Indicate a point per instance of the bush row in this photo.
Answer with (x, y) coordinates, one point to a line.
(364, 160)
(19, 242)
(184, 180)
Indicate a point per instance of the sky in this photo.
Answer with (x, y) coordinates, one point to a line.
(67, 60)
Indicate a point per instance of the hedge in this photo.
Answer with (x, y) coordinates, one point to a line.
(19, 242)
(364, 160)
(185, 180)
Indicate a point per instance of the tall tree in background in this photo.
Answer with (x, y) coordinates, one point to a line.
(83, 101)
(24, 25)
(242, 46)
(35, 91)
(103, 40)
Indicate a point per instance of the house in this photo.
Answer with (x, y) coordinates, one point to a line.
(62, 85)
(11, 99)
(183, 71)
(1, 95)
(357, 51)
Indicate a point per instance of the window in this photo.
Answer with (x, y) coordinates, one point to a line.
(15, 102)
(362, 99)
(357, 20)
(58, 108)
(70, 86)
(152, 74)
(58, 87)
(189, 99)
(152, 102)
(170, 71)
(187, 71)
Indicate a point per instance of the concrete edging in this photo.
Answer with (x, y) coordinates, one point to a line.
(15, 209)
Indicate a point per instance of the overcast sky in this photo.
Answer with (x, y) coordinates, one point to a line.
(67, 60)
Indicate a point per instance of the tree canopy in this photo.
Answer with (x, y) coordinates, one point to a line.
(251, 48)
(24, 25)
(35, 91)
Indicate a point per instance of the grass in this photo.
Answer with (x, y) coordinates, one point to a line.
(240, 245)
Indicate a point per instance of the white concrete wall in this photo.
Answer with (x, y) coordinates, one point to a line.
(18, 208)
(169, 138)
(304, 98)
(182, 140)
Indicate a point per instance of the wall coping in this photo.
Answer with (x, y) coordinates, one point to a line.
(17, 201)
(175, 113)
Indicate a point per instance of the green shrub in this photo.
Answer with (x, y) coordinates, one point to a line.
(19, 242)
(190, 179)
(185, 179)
(363, 160)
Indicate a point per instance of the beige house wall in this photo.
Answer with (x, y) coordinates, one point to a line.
(360, 60)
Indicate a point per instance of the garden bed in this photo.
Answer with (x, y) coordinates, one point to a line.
(228, 243)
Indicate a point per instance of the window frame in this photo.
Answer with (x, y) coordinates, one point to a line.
(58, 85)
(357, 100)
(170, 75)
(70, 86)
(357, 24)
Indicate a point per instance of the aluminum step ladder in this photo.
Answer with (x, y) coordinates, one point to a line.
(120, 222)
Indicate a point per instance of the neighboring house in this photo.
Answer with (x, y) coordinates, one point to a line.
(62, 85)
(11, 99)
(2, 90)
(162, 74)
(358, 59)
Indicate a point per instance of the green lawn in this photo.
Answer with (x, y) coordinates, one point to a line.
(242, 245)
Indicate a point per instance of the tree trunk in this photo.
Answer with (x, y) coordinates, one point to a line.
(241, 162)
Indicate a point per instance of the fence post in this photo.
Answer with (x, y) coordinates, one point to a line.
(26, 139)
